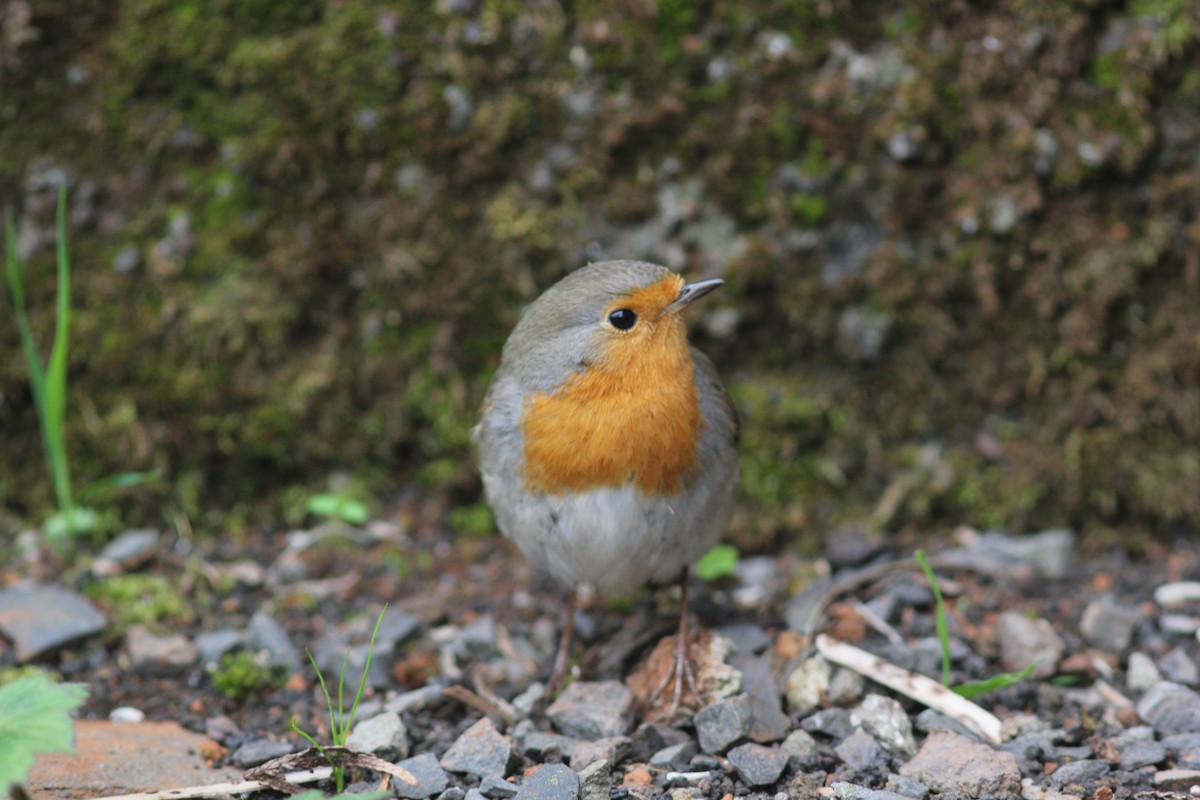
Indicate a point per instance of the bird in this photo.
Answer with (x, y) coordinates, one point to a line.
(607, 444)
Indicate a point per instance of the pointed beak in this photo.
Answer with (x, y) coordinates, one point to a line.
(690, 293)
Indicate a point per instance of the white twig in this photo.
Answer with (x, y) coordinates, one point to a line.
(221, 789)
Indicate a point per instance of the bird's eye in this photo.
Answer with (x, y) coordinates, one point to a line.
(622, 319)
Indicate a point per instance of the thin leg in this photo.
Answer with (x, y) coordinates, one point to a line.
(681, 668)
(563, 659)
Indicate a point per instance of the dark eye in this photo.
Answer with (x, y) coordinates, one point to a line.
(622, 319)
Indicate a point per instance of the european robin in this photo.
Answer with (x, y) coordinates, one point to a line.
(606, 442)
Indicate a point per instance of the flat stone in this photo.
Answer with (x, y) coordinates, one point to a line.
(259, 751)
(1178, 666)
(860, 751)
(611, 749)
(808, 685)
(758, 765)
(480, 750)
(128, 550)
(1142, 754)
(596, 781)
(1107, 625)
(155, 654)
(593, 710)
(1079, 772)
(211, 645)
(674, 756)
(264, 633)
(497, 788)
(120, 758)
(1183, 781)
(801, 749)
(383, 735)
(550, 782)
(851, 791)
(538, 745)
(431, 778)
(1141, 672)
(723, 724)
(1024, 641)
(907, 787)
(746, 638)
(832, 722)
(40, 617)
(1170, 708)
(888, 722)
(950, 764)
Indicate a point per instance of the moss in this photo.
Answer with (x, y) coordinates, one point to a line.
(138, 599)
(243, 674)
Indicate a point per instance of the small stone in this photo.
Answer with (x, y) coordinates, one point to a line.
(1142, 754)
(675, 756)
(1024, 641)
(550, 782)
(746, 638)
(538, 745)
(846, 687)
(596, 781)
(850, 791)
(801, 749)
(1141, 673)
(860, 751)
(214, 644)
(497, 788)
(727, 722)
(590, 711)
(808, 685)
(455, 793)
(950, 764)
(128, 550)
(758, 765)
(1179, 667)
(1170, 708)
(481, 750)
(1178, 593)
(259, 751)
(886, 720)
(431, 778)
(264, 633)
(127, 714)
(832, 722)
(929, 720)
(907, 787)
(1107, 625)
(151, 653)
(611, 749)
(1079, 772)
(1052, 553)
(38, 618)
(383, 735)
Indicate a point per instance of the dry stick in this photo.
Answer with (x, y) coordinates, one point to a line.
(924, 690)
(222, 789)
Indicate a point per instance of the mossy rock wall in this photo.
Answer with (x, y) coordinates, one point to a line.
(961, 240)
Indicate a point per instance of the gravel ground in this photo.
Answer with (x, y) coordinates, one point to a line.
(1111, 708)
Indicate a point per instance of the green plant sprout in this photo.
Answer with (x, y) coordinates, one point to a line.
(338, 506)
(717, 562)
(971, 688)
(49, 384)
(34, 718)
(340, 722)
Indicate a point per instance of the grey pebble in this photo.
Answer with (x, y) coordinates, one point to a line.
(860, 751)
(673, 756)
(610, 748)
(1179, 666)
(431, 778)
(930, 720)
(151, 653)
(40, 617)
(1079, 772)
(1108, 625)
(852, 791)
(481, 750)
(746, 638)
(259, 751)
(887, 721)
(907, 787)
(539, 745)
(211, 645)
(1142, 754)
(264, 633)
(128, 550)
(1024, 641)
(551, 782)
(496, 788)
(758, 765)
(455, 793)
(802, 749)
(1170, 708)
(383, 735)
(596, 781)
(725, 723)
(1141, 672)
(588, 710)
(832, 722)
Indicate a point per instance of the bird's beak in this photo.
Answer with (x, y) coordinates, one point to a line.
(690, 293)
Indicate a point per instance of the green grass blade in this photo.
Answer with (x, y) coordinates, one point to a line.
(56, 371)
(943, 632)
(362, 682)
(977, 688)
(37, 376)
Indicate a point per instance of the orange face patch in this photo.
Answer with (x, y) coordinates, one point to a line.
(632, 417)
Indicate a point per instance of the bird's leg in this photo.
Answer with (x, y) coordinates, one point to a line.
(563, 659)
(681, 666)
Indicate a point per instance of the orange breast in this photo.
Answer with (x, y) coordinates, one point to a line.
(632, 417)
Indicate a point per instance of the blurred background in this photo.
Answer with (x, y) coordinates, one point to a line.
(960, 239)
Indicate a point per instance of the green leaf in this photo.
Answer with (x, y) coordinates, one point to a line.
(70, 522)
(718, 562)
(34, 718)
(977, 688)
(325, 504)
(121, 480)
